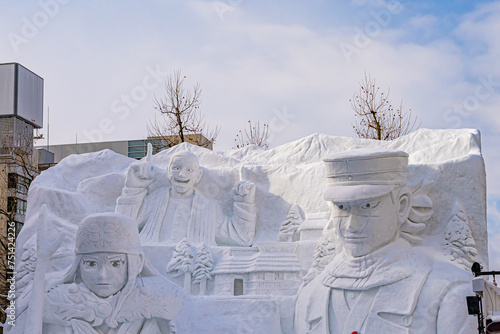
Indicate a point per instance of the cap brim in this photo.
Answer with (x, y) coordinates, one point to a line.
(338, 193)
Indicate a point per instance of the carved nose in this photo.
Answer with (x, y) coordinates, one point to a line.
(103, 273)
(354, 224)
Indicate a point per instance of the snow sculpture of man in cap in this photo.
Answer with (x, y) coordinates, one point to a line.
(378, 283)
(108, 289)
(172, 213)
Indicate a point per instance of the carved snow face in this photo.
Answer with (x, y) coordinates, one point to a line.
(184, 174)
(366, 225)
(104, 273)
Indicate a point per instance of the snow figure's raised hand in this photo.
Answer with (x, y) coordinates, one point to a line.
(142, 173)
(244, 191)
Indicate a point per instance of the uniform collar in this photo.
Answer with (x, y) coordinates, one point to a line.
(387, 265)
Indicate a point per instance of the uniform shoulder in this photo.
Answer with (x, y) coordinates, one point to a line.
(448, 270)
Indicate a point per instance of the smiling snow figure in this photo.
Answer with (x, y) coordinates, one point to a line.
(379, 282)
(184, 173)
(169, 214)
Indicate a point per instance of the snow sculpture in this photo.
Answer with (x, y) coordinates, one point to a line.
(203, 267)
(182, 263)
(268, 268)
(252, 289)
(171, 213)
(323, 253)
(378, 283)
(288, 230)
(458, 243)
(108, 288)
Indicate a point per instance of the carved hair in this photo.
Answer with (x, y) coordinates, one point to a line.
(184, 154)
(420, 211)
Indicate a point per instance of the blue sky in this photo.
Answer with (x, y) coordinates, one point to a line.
(103, 63)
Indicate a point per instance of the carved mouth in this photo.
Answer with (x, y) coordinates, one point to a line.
(355, 238)
(181, 181)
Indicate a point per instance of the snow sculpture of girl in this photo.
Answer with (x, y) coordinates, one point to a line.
(108, 289)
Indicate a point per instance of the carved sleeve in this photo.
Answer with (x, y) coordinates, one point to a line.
(452, 315)
(238, 230)
(130, 201)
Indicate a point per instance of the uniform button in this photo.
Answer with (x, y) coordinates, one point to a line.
(349, 178)
(406, 320)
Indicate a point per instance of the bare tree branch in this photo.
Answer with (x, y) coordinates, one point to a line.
(180, 118)
(255, 135)
(18, 168)
(376, 116)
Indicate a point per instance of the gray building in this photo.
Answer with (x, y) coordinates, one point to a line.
(137, 148)
(21, 113)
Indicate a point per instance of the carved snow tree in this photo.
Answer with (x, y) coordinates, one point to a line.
(182, 263)
(180, 117)
(288, 229)
(323, 254)
(376, 117)
(203, 267)
(254, 135)
(459, 245)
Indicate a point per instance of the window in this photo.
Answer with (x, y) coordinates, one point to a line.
(21, 207)
(18, 182)
(19, 226)
(23, 184)
(238, 287)
(137, 149)
(16, 205)
(11, 204)
(12, 182)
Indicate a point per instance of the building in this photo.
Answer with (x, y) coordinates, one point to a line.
(268, 268)
(136, 149)
(21, 113)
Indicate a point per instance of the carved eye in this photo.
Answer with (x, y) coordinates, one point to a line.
(190, 170)
(90, 263)
(342, 206)
(116, 263)
(369, 205)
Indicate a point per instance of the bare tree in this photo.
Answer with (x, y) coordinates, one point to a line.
(377, 118)
(18, 168)
(255, 135)
(180, 117)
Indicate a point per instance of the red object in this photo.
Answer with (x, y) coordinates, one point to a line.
(355, 332)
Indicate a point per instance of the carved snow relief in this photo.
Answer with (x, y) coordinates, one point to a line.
(379, 281)
(288, 229)
(239, 234)
(458, 242)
